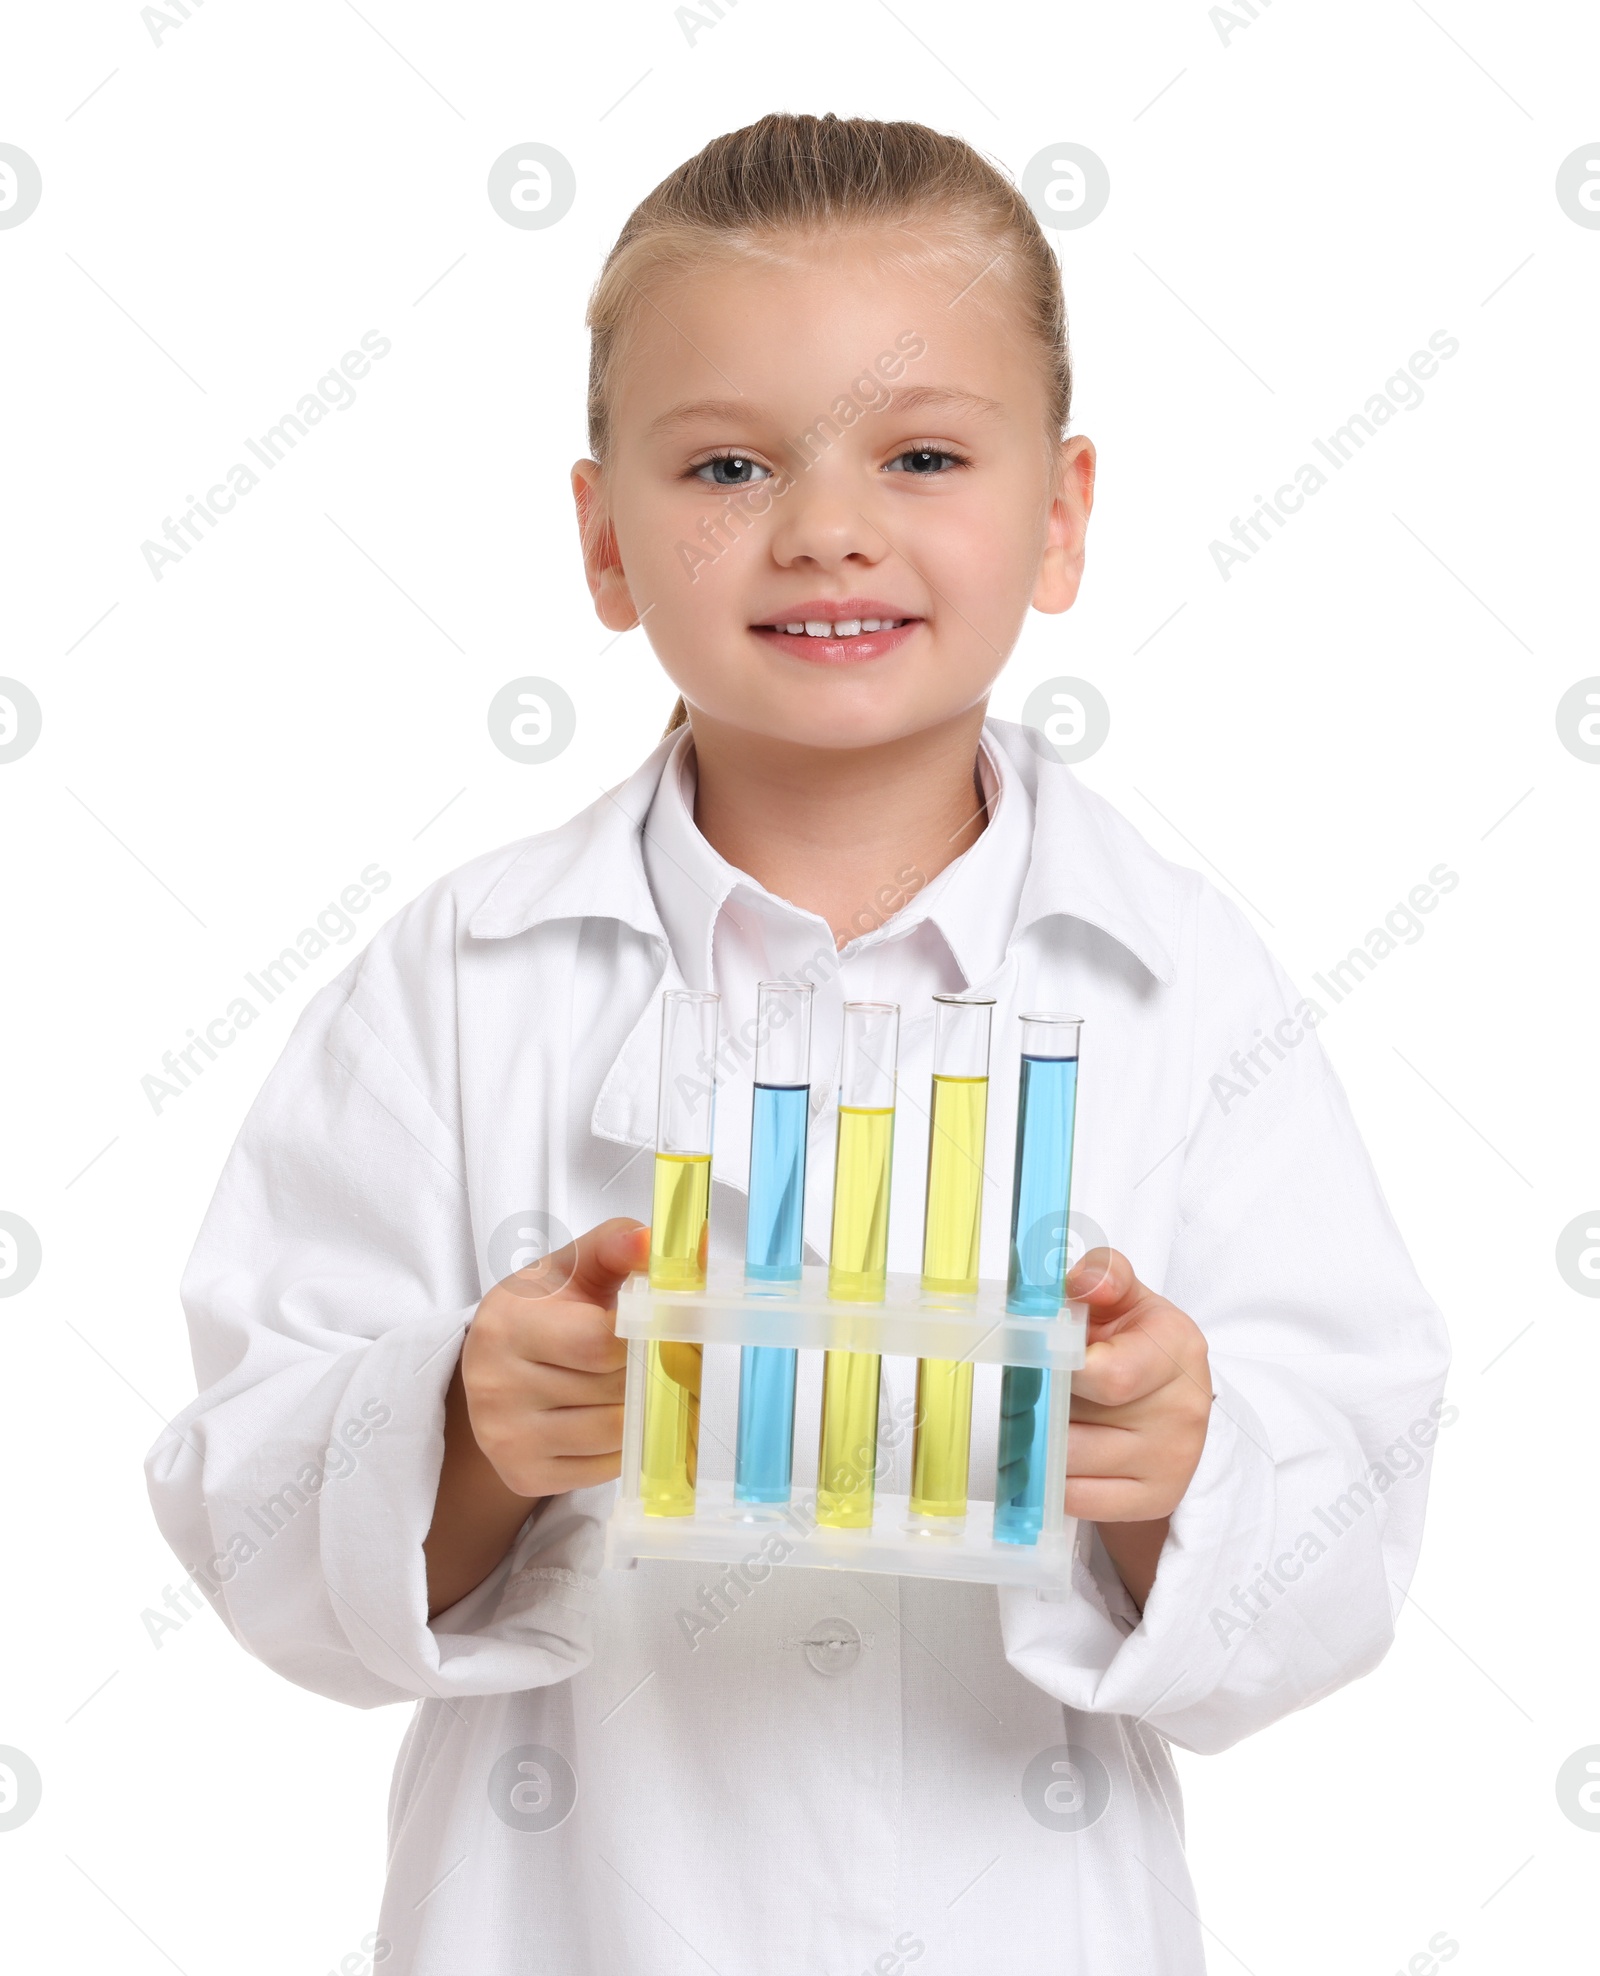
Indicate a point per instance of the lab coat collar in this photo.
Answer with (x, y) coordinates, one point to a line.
(1087, 862)
(591, 867)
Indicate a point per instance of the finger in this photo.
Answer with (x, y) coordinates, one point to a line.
(1014, 1443)
(606, 1257)
(510, 1332)
(581, 1472)
(1096, 1499)
(1120, 1370)
(589, 1270)
(582, 1431)
(1149, 1348)
(550, 1386)
(1018, 1428)
(1133, 1416)
(581, 1337)
(1158, 1463)
(680, 1365)
(1104, 1280)
(1097, 1450)
(1019, 1392)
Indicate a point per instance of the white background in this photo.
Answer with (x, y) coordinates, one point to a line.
(1297, 204)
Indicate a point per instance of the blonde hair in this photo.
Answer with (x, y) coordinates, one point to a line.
(801, 174)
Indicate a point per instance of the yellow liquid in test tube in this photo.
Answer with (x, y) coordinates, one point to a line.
(858, 1257)
(679, 1226)
(848, 1454)
(955, 1186)
(680, 1221)
(847, 1451)
(949, 1268)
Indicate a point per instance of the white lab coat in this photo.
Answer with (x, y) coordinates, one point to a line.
(845, 1773)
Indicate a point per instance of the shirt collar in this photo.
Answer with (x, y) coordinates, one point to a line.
(689, 880)
(972, 902)
(1087, 862)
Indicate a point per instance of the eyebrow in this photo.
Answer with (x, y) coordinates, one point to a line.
(916, 398)
(925, 397)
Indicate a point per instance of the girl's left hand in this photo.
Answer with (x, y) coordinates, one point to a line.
(1140, 1407)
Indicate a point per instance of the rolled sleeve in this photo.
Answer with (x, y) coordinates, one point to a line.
(327, 1296)
(1291, 1549)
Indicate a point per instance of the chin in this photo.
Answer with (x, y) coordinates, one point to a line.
(833, 712)
(838, 728)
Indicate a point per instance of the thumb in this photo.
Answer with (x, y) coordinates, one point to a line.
(591, 1269)
(1104, 1280)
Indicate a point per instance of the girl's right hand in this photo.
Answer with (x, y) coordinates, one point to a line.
(534, 1406)
(542, 1368)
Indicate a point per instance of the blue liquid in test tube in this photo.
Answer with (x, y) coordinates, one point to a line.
(779, 1118)
(1040, 1201)
(777, 1183)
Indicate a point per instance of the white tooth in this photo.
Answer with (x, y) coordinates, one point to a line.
(794, 630)
(870, 624)
(848, 628)
(818, 628)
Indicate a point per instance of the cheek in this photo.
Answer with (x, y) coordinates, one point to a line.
(682, 551)
(696, 590)
(986, 566)
(988, 540)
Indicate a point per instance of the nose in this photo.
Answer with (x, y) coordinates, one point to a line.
(821, 524)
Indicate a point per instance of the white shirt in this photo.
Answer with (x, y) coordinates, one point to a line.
(590, 1787)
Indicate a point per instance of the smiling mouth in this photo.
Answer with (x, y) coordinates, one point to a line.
(835, 628)
(837, 641)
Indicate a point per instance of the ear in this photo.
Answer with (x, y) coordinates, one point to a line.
(602, 560)
(1061, 566)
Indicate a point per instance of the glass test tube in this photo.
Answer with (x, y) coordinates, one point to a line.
(779, 1116)
(679, 1231)
(1040, 1202)
(951, 1228)
(858, 1259)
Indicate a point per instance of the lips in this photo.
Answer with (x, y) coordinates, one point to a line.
(837, 631)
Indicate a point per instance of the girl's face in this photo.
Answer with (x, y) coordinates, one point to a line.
(836, 444)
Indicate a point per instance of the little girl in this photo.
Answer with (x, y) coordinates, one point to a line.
(827, 404)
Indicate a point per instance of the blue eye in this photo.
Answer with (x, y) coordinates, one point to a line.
(731, 470)
(924, 460)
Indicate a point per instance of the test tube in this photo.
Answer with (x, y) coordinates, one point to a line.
(779, 1116)
(1041, 1198)
(952, 1225)
(858, 1259)
(679, 1231)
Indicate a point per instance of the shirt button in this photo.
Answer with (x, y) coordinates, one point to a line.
(832, 1646)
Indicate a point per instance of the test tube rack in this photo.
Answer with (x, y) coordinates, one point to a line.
(727, 1315)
